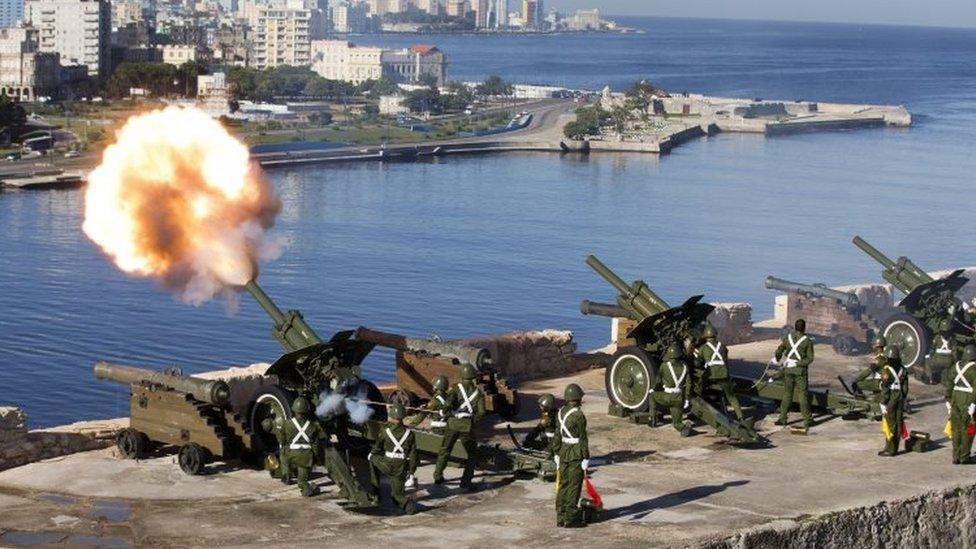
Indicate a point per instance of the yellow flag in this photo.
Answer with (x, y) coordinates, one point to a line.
(886, 428)
(948, 428)
(557, 479)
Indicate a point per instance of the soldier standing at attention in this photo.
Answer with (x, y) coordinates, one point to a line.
(795, 352)
(468, 405)
(676, 390)
(546, 428)
(942, 356)
(961, 402)
(893, 395)
(395, 455)
(572, 455)
(713, 357)
(869, 379)
(299, 435)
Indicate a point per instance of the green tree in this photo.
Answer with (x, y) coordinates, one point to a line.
(588, 122)
(424, 100)
(159, 78)
(457, 96)
(495, 86)
(641, 95)
(13, 117)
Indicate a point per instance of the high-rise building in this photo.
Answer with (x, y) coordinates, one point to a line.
(499, 14)
(480, 8)
(11, 11)
(347, 18)
(432, 7)
(455, 8)
(79, 30)
(281, 37)
(26, 73)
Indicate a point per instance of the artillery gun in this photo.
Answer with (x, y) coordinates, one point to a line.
(926, 304)
(839, 315)
(633, 371)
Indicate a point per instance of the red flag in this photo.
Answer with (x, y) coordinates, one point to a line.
(904, 431)
(592, 493)
(971, 429)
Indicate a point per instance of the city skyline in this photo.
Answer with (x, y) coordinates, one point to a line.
(939, 13)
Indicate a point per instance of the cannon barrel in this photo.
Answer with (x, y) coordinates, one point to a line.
(604, 309)
(210, 391)
(902, 274)
(290, 328)
(847, 299)
(478, 357)
(637, 298)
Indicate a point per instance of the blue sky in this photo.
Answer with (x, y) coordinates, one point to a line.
(950, 13)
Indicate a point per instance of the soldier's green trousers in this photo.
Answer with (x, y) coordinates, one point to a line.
(894, 416)
(674, 402)
(447, 444)
(795, 380)
(725, 387)
(866, 382)
(962, 443)
(297, 463)
(396, 470)
(568, 493)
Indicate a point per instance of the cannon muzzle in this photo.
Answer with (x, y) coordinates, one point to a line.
(210, 391)
(847, 299)
(637, 298)
(478, 357)
(588, 307)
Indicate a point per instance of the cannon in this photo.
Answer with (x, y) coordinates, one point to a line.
(633, 370)
(169, 409)
(839, 314)
(927, 302)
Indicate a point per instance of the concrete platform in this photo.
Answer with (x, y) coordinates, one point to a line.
(659, 490)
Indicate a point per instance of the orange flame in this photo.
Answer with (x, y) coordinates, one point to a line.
(176, 198)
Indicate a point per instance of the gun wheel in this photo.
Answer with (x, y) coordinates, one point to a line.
(910, 336)
(132, 444)
(630, 377)
(193, 458)
(268, 403)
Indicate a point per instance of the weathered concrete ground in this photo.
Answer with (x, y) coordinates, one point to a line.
(659, 490)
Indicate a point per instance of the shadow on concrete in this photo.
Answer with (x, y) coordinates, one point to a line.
(641, 509)
(622, 456)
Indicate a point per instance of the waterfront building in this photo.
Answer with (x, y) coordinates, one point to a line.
(78, 30)
(583, 20)
(529, 14)
(349, 18)
(26, 72)
(342, 60)
(413, 64)
(281, 37)
(11, 11)
(455, 8)
(481, 13)
(499, 15)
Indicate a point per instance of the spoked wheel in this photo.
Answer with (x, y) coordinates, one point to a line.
(132, 443)
(193, 458)
(631, 377)
(911, 337)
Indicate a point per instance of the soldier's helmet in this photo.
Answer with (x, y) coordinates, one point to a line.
(397, 411)
(892, 352)
(573, 393)
(945, 325)
(300, 406)
(468, 372)
(800, 325)
(969, 353)
(547, 401)
(674, 351)
(880, 342)
(710, 332)
(440, 383)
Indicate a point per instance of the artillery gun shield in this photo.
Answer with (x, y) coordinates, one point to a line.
(910, 335)
(631, 377)
(951, 283)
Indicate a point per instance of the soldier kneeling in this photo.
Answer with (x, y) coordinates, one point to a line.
(297, 438)
(395, 455)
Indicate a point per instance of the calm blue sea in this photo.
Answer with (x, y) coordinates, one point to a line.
(479, 245)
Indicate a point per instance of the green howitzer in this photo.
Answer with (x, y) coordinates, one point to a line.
(927, 303)
(633, 372)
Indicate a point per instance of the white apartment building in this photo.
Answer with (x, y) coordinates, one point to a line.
(79, 30)
(11, 11)
(281, 37)
(177, 54)
(342, 60)
(26, 73)
(348, 18)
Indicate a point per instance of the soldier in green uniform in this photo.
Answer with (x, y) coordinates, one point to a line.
(571, 449)
(712, 357)
(942, 355)
(868, 381)
(395, 455)
(467, 404)
(959, 382)
(298, 436)
(893, 395)
(795, 353)
(540, 437)
(675, 390)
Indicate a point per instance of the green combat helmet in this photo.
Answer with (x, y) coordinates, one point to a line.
(710, 332)
(945, 326)
(547, 402)
(573, 393)
(880, 342)
(440, 383)
(892, 352)
(969, 353)
(300, 407)
(397, 411)
(673, 352)
(468, 372)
